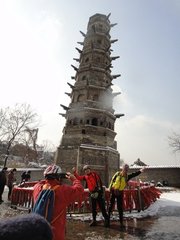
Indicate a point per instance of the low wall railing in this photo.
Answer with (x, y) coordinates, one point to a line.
(136, 197)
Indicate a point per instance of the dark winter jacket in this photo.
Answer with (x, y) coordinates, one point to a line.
(3, 178)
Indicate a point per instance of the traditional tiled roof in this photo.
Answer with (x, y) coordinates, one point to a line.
(157, 166)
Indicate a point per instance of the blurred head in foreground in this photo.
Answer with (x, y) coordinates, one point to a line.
(25, 227)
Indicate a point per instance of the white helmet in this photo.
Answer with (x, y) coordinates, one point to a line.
(86, 167)
(52, 170)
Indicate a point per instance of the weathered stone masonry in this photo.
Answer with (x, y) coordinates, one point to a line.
(89, 136)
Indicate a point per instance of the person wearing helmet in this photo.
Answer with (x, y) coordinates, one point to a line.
(94, 184)
(64, 195)
(117, 185)
(52, 172)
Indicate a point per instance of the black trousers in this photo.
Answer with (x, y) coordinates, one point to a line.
(10, 186)
(119, 199)
(101, 202)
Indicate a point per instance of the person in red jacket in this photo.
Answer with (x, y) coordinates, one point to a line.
(64, 195)
(94, 184)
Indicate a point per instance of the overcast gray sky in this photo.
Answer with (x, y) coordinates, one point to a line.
(37, 47)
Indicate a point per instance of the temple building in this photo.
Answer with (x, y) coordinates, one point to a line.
(88, 135)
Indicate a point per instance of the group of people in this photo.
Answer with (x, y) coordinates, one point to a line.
(7, 177)
(66, 194)
(116, 187)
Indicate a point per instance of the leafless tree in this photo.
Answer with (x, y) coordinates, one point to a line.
(14, 122)
(2, 119)
(48, 146)
(30, 140)
(174, 142)
(48, 149)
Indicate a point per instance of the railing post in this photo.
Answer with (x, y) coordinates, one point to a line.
(139, 198)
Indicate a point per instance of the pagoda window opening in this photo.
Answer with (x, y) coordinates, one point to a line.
(100, 27)
(81, 98)
(86, 60)
(75, 122)
(95, 97)
(81, 121)
(83, 131)
(99, 41)
(87, 121)
(93, 26)
(84, 77)
(98, 59)
(94, 121)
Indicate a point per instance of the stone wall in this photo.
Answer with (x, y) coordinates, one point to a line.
(36, 174)
(160, 174)
(103, 160)
(157, 174)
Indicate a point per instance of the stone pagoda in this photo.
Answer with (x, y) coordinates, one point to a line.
(89, 136)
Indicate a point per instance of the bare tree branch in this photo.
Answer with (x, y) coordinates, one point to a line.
(14, 122)
(174, 142)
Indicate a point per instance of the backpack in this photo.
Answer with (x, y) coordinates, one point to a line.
(45, 202)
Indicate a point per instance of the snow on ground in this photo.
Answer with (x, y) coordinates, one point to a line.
(158, 222)
(167, 205)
